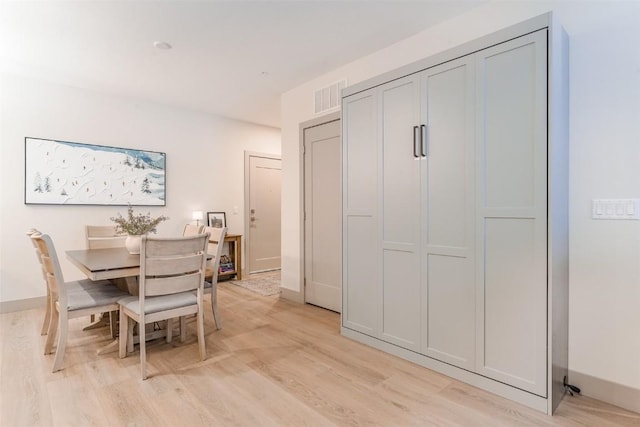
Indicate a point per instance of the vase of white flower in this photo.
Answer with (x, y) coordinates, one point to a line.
(136, 226)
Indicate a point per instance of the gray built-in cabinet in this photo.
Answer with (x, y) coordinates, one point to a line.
(455, 228)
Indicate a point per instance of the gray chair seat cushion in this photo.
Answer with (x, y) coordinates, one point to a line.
(159, 303)
(85, 294)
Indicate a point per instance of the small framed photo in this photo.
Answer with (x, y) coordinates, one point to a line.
(216, 219)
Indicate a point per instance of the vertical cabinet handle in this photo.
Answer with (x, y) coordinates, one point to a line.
(415, 142)
(424, 142)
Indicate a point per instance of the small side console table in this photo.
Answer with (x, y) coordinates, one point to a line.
(235, 253)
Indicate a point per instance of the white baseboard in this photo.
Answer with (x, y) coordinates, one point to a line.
(616, 394)
(290, 295)
(22, 304)
(531, 400)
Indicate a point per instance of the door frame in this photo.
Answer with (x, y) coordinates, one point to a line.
(247, 171)
(331, 117)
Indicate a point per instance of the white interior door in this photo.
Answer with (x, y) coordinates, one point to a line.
(263, 238)
(323, 237)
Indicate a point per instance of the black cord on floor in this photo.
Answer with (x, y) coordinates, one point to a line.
(570, 388)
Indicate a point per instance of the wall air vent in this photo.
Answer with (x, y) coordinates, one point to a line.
(328, 98)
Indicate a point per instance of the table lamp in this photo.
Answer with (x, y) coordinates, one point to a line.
(197, 215)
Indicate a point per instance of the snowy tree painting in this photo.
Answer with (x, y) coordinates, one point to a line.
(59, 172)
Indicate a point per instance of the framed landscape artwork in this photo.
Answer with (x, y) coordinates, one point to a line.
(216, 219)
(70, 173)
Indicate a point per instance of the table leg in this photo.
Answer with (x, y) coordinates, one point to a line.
(127, 284)
(109, 348)
(239, 258)
(101, 321)
(115, 345)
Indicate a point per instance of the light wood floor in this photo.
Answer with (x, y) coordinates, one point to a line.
(274, 363)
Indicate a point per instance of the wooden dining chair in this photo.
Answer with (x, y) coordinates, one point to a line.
(214, 248)
(104, 236)
(49, 302)
(47, 314)
(69, 300)
(171, 286)
(192, 230)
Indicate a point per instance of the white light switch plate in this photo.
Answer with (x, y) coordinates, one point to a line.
(615, 209)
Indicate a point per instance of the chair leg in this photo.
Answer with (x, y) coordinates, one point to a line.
(214, 307)
(63, 328)
(200, 330)
(51, 332)
(47, 315)
(123, 338)
(113, 324)
(143, 350)
(169, 335)
(132, 324)
(183, 328)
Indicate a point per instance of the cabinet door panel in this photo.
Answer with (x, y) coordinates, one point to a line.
(401, 299)
(449, 101)
(360, 155)
(449, 292)
(512, 225)
(509, 100)
(401, 168)
(360, 298)
(360, 160)
(512, 298)
(451, 310)
(399, 114)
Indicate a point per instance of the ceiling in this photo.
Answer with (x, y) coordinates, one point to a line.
(230, 58)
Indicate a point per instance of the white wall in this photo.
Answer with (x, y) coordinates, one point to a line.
(604, 329)
(205, 167)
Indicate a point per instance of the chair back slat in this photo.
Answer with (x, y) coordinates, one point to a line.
(172, 247)
(163, 266)
(172, 284)
(37, 250)
(103, 236)
(216, 238)
(215, 233)
(53, 284)
(192, 230)
(49, 269)
(214, 248)
(40, 244)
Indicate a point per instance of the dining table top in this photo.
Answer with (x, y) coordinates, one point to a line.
(109, 263)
